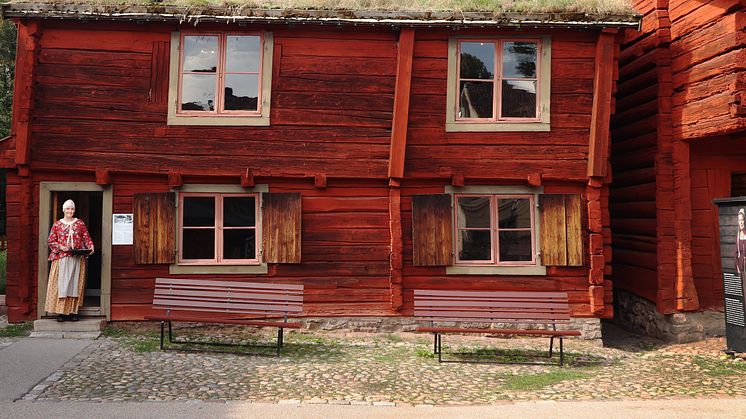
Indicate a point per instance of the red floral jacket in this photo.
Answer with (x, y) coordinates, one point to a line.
(58, 237)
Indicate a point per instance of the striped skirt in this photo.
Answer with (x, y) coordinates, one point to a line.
(67, 305)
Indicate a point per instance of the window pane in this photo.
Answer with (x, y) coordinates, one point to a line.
(514, 213)
(198, 92)
(200, 54)
(519, 59)
(515, 246)
(199, 211)
(239, 244)
(241, 92)
(477, 60)
(239, 211)
(198, 243)
(242, 54)
(474, 245)
(519, 99)
(476, 99)
(473, 212)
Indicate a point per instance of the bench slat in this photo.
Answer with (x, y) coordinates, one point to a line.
(226, 305)
(500, 331)
(228, 294)
(236, 284)
(542, 295)
(494, 316)
(492, 303)
(244, 290)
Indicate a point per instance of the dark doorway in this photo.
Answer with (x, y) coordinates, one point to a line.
(89, 208)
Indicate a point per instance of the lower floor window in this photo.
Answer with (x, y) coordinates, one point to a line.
(495, 229)
(218, 228)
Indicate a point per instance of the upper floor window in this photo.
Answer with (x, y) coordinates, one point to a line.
(220, 78)
(220, 73)
(498, 84)
(498, 80)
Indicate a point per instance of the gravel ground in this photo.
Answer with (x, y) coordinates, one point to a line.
(126, 364)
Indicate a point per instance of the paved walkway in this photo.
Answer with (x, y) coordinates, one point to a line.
(689, 408)
(388, 370)
(26, 362)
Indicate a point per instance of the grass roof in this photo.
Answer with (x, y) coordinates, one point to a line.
(600, 7)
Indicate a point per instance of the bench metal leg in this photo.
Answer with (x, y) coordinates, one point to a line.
(440, 346)
(162, 324)
(551, 345)
(279, 339)
(562, 353)
(170, 333)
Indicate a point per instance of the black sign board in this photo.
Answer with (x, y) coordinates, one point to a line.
(732, 216)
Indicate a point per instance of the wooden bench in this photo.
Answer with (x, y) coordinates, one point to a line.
(547, 309)
(226, 302)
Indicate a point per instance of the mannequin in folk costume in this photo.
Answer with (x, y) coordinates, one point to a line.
(66, 286)
(741, 248)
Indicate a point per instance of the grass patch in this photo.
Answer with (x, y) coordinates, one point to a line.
(424, 353)
(16, 330)
(539, 381)
(718, 368)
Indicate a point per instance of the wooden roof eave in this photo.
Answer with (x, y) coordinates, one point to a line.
(319, 17)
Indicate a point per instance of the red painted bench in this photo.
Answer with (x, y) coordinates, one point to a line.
(226, 302)
(534, 308)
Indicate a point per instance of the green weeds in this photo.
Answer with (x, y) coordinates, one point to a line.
(16, 330)
(719, 368)
(536, 382)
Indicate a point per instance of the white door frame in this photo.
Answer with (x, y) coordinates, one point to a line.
(45, 198)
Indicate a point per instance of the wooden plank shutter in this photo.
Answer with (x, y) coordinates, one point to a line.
(432, 230)
(561, 230)
(155, 224)
(281, 224)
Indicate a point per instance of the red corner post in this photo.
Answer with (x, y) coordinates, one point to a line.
(399, 124)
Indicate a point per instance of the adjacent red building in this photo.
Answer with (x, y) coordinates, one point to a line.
(677, 144)
(363, 154)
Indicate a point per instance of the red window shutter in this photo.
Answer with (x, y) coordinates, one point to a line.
(561, 230)
(281, 227)
(155, 224)
(432, 230)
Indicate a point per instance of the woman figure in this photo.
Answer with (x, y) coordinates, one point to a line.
(65, 289)
(741, 242)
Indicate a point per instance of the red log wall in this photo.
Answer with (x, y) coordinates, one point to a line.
(682, 79)
(332, 102)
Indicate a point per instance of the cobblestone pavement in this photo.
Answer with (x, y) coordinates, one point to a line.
(388, 369)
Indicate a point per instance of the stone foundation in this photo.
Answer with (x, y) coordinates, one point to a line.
(640, 315)
(589, 327)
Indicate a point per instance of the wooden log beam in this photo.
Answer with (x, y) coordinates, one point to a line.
(247, 179)
(602, 103)
(103, 177)
(400, 119)
(397, 247)
(29, 33)
(175, 180)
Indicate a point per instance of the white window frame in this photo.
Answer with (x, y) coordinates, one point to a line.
(491, 268)
(260, 118)
(259, 267)
(544, 70)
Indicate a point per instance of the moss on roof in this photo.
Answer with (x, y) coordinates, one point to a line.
(610, 7)
(515, 11)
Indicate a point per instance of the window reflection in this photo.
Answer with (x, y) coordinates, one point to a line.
(519, 59)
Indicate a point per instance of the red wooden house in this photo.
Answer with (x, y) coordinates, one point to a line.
(361, 153)
(677, 144)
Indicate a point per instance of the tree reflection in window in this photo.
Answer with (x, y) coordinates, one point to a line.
(515, 93)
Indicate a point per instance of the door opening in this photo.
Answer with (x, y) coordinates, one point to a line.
(89, 208)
